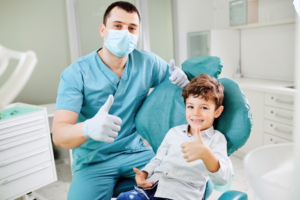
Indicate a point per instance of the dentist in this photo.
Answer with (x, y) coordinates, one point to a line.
(98, 98)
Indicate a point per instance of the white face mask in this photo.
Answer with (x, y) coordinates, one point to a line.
(297, 6)
(120, 42)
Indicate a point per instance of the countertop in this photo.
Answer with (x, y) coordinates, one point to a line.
(272, 86)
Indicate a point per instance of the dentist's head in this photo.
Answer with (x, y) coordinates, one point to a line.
(120, 28)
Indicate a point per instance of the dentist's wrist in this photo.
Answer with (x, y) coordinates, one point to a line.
(85, 129)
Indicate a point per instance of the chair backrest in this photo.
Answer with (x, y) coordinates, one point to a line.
(164, 107)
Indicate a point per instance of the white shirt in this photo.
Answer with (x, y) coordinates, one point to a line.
(179, 179)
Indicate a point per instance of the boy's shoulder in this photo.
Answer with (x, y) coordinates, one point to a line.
(218, 137)
(179, 128)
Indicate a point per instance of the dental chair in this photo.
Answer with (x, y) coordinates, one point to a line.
(18, 79)
(164, 108)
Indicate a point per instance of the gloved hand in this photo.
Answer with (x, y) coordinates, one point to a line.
(103, 127)
(177, 77)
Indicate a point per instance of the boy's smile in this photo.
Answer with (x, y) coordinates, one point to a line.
(200, 112)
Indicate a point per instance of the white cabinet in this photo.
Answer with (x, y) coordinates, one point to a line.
(256, 101)
(278, 118)
(272, 119)
(26, 157)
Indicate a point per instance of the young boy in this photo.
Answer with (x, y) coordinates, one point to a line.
(189, 154)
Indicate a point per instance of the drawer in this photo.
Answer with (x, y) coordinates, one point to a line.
(272, 139)
(278, 129)
(24, 161)
(279, 101)
(26, 181)
(279, 115)
(13, 149)
(21, 124)
(23, 133)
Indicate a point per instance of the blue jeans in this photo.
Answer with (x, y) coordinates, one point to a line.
(141, 194)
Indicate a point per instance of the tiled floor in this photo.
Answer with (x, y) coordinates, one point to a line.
(59, 189)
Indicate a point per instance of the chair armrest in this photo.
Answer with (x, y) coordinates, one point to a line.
(233, 195)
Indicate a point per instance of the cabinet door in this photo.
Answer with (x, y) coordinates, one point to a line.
(198, 44)
(256, 101)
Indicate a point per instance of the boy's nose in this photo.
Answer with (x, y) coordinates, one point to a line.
(197, 112)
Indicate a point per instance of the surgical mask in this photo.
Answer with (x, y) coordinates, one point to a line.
(120, 42)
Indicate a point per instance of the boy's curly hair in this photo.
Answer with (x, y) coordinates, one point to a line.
(205, 86)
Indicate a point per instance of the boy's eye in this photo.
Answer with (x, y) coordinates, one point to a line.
(190, 107)
(204, 108)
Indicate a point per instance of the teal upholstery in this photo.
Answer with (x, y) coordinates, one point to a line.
(233, 195)
(202, 65)
(167, 103)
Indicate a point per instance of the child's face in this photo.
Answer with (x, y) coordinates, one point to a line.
(200, 112)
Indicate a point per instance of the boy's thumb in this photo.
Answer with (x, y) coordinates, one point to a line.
(136, 171)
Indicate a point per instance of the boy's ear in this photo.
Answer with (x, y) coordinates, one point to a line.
(219, 111)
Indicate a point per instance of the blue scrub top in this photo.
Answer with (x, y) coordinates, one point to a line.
(85, 86)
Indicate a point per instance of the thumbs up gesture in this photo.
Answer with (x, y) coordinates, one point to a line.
(140, 178)
(195, 149)
(177, 76)
(103, 126)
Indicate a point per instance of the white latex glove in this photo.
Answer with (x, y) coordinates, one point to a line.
(177, 77)
(103, 127)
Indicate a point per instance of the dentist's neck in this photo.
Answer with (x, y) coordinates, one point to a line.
(115, 63)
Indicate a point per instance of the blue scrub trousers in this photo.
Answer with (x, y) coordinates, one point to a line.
(97, 180)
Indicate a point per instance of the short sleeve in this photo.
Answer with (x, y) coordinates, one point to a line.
(160, 71)
(70, 90)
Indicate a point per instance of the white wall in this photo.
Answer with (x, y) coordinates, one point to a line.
(268, 52)
(192, 16)
(265, 52)
(40, 26)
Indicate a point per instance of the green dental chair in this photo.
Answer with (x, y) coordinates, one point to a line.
(167, 103)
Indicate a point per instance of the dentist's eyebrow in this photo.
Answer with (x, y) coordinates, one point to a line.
(120, 22)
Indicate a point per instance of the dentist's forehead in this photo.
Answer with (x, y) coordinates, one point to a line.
(119, 15)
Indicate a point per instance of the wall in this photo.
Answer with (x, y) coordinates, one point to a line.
(161, 28)
(40, 26)
(192, 16)
(266, 52)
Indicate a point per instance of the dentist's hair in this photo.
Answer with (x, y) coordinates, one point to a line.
(128, 7)
(206, 87)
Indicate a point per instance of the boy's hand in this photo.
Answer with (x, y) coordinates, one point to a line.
(195, 149)
(140, 178)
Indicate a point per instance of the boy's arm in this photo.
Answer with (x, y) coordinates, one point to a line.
(217, 162)
(219, 150)
(157, 159)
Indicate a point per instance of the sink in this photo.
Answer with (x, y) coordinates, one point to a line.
(292, 87)
(270, 170)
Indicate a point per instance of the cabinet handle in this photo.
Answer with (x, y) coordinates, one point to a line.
(23, 142)
(282, 131)
(285, 102)
(20, 133)
(30, 172)
(26, 156)
(282, 116)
